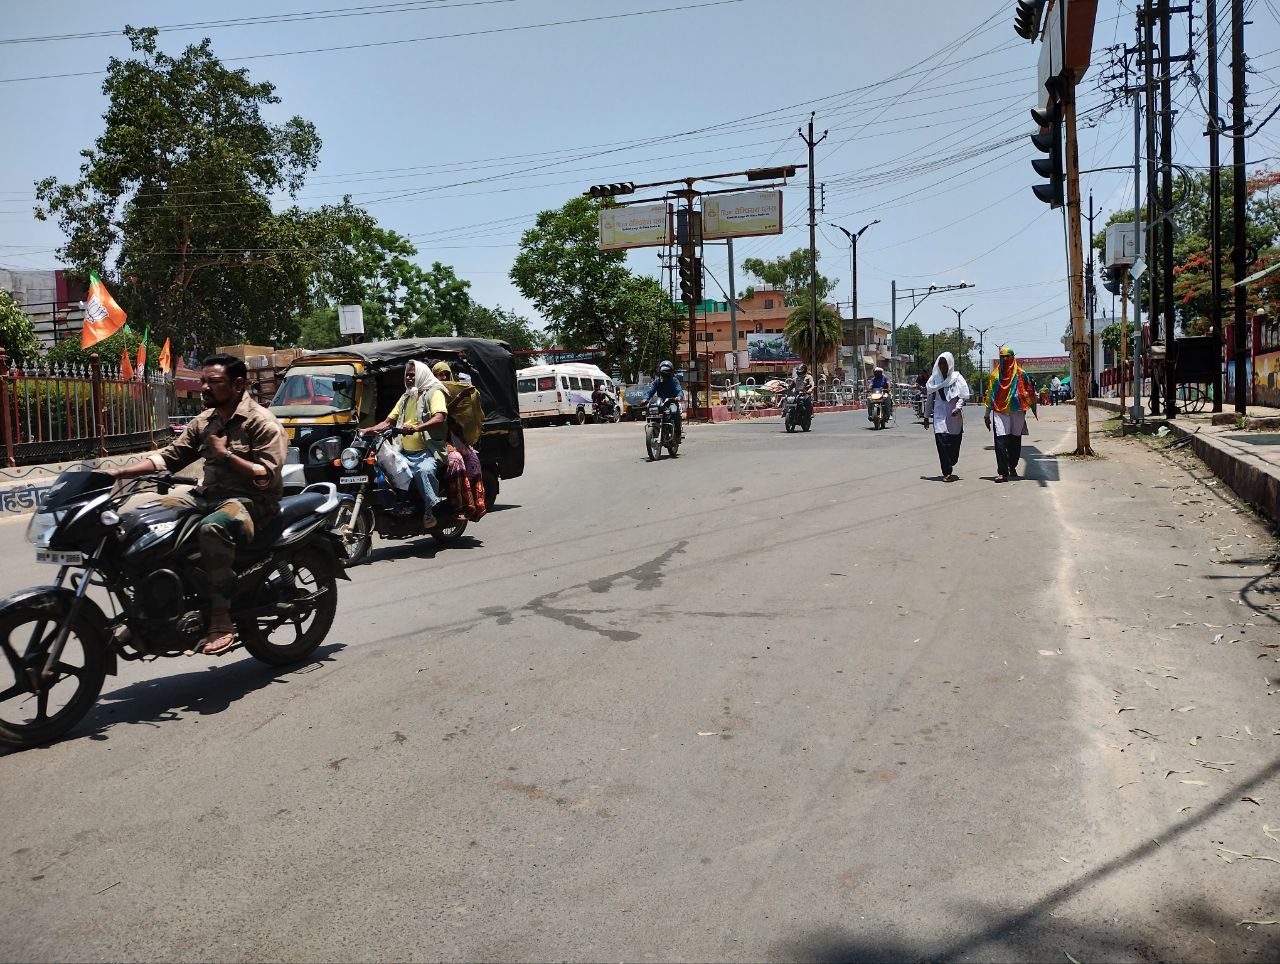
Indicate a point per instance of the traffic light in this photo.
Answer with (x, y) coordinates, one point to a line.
(611, 190)
(1111, 279)
(1048, 140)
(690, 279)
(1026, 18)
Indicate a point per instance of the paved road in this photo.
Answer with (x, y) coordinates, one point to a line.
(783, 697)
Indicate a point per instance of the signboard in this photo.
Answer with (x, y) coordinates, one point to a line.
(637, 226)
(736, 361)
(1045, 364)
(557, 356)
(742, 215)
(769, 349)
(351, 319)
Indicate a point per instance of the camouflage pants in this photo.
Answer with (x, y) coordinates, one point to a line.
(228, 523)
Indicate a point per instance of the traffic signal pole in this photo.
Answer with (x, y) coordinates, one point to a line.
(1239, 255)
(1079, 370)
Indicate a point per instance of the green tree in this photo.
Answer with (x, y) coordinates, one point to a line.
(828, 334)
(588, 296)
(17, 333)
(502, 324)
(319, 329)
(446, 304)
(790, 274)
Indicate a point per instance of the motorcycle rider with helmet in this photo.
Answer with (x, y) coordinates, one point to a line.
(667, 387)
(804, 386)
(879, 383)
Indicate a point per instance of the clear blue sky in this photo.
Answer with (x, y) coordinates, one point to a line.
(533, 116)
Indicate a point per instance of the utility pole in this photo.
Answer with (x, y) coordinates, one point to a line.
(1076, 270)
(1166, 205)
(733, 316)
(1153, 290)
(853, 237)
(1140, 244)
(982, 356)
(1124, 342)
(1091, 297)
(893, 328)
(959, 313)
(1215, 196)
(1239, 255)
(813, 243)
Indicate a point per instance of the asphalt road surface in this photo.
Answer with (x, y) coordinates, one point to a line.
(784, 697)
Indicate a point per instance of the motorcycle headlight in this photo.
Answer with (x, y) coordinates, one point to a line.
(40, 528)
(350, 459)
(324, 451)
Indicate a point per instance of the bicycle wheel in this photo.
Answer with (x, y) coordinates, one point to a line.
(1195, 399)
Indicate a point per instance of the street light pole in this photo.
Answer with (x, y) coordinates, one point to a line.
(982, 358)
(959, 313)
(853, 286)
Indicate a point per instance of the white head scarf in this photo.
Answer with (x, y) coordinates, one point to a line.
(953, 385)
(424, 381)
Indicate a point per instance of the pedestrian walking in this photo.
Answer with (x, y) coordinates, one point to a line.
(1010, 396)
(945, 395)
(1055, 390)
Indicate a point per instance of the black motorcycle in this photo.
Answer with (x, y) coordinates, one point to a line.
(606, 409)
(58, 643)
(660, 428)
(797, 412)
(377, 506)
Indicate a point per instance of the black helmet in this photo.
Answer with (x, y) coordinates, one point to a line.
(801, 369)
(666, 368)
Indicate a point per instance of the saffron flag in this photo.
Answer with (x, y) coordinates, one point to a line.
(142, 352)
(166, 361)
(126, 369)
(102, 316)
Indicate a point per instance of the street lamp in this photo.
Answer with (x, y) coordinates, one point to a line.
(917, 296)
(959, 313)
(853, 283)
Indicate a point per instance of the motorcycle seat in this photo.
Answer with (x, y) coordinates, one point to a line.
(293, 509)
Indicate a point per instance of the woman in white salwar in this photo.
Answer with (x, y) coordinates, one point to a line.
(945, 395)
(1012, 394)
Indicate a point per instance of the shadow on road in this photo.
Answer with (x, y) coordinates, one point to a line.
(422, 547)
(203, 691)
(1025, 933)
(1039, 466)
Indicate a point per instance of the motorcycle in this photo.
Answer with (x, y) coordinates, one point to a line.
(606, 409)
(58, 643)
(917, 405)
(375, 505)
(797, 412)
(660, 428)
(878, 410)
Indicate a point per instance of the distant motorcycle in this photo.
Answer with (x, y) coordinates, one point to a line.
(878, 409)
(797, 412)
(660, 428)
(917, 405)
(606, 409)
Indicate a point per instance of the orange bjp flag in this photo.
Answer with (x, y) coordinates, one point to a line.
(165, 358)
(102, 316)
(142, 357)
(126, 369)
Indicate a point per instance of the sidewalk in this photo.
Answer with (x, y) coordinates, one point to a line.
(1246, 458)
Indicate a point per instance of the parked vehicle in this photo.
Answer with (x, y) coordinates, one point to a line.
(375, 505)
(660, 428)
(59, 645)
(364, 382)
(797, 412)
(878, 408)
(559, 394)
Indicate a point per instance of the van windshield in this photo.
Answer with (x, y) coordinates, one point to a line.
(316, 390)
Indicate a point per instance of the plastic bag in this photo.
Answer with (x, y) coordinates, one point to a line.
(395, 466)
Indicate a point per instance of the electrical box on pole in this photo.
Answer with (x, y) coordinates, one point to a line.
(1122, 245)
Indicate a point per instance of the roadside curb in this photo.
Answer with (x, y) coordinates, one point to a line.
(1253, 478)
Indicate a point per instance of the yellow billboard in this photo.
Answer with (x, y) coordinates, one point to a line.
(741, 215)
(636, 226)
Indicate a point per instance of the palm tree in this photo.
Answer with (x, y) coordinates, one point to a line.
(830, 333)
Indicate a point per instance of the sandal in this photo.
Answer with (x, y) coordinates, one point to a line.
(218, 642)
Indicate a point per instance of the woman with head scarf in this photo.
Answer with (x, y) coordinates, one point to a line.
(1010, 396)
(945, 395)
(421, 414)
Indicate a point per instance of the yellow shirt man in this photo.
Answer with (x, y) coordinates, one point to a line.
(406, 412)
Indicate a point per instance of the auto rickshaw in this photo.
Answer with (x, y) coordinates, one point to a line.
(326, 396)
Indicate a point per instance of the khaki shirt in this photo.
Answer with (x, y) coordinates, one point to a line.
(253, 434)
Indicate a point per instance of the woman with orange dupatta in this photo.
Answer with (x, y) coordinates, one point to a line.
(1010, 396)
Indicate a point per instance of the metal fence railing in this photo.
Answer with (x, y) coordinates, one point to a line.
(52, 411)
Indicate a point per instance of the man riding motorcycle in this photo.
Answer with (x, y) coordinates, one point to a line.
(667, 387)
(244, 448)
(421, 416)
(804, 386)
(879, 383)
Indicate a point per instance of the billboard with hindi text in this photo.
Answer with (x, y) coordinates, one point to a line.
(636, 226)
(741, 215)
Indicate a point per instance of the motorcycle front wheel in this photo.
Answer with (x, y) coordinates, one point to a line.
(32, 713)
(289, 638)
(357, 534)
(652, 443)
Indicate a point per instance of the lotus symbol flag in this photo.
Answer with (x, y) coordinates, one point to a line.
(102, 316)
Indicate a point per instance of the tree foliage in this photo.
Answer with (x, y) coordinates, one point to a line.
(828, 333)
(17, 333)
(589, 297)
(108, 350)
(173, 206)
(502, 324)
(790, 274)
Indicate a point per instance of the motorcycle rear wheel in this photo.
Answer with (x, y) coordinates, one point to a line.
(448, 535)
(652, 443)
(89, 672)
(673, 445)
(271, 644)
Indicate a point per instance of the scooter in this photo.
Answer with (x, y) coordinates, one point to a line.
(878, 408)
